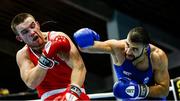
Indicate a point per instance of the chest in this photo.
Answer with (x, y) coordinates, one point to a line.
(127, 69)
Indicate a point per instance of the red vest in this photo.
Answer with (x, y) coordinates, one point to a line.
(57, 77)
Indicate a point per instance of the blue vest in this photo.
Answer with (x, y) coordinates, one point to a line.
(127, 69)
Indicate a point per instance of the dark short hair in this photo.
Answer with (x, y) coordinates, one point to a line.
(19, 18)
(139, 35)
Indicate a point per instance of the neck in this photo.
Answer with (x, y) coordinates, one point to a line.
(139, 60)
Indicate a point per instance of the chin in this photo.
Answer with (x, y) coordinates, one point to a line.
(129, 58)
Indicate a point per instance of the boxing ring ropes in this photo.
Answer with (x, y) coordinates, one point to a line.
(174, 88)
(174, 93)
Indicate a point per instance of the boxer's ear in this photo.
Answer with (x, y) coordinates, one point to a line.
(146, 48)
(19, 38)
(37, 23)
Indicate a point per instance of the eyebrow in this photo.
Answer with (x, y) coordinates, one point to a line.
(27, 27)
(131, 46)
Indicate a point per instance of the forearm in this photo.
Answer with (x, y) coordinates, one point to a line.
(34, 76)
(158, 91)
(78, 75)
(98, 47)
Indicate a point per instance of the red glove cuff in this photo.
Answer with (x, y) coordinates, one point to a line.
(75, 89)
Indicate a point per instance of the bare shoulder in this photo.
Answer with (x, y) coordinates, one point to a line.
(22, 54)
(158, 57)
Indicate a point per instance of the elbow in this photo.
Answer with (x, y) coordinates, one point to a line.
(30, 84)
(165, 92)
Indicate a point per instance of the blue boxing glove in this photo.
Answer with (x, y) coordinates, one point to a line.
(128, 89)
(85, 37)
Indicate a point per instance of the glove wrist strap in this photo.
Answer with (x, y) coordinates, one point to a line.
(45, 62)
(76, 89)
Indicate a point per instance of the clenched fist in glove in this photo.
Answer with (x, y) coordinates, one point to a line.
(60, 44)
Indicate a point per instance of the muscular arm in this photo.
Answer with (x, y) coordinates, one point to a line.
(74, 60)
(161, 75)
(32, 75)
(101, 47)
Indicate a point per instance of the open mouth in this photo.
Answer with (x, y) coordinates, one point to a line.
(35, 38)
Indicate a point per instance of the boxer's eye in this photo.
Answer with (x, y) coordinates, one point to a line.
(24, 32)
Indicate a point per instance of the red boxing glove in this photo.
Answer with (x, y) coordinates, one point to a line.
(58, 44)
(52, 47)
(72, 93)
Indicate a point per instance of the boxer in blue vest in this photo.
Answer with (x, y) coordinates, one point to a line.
(141, 67)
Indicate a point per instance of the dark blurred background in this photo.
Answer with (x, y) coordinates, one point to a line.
(160, 17)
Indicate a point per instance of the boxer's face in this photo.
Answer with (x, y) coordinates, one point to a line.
(132, 49)
(29, 32)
